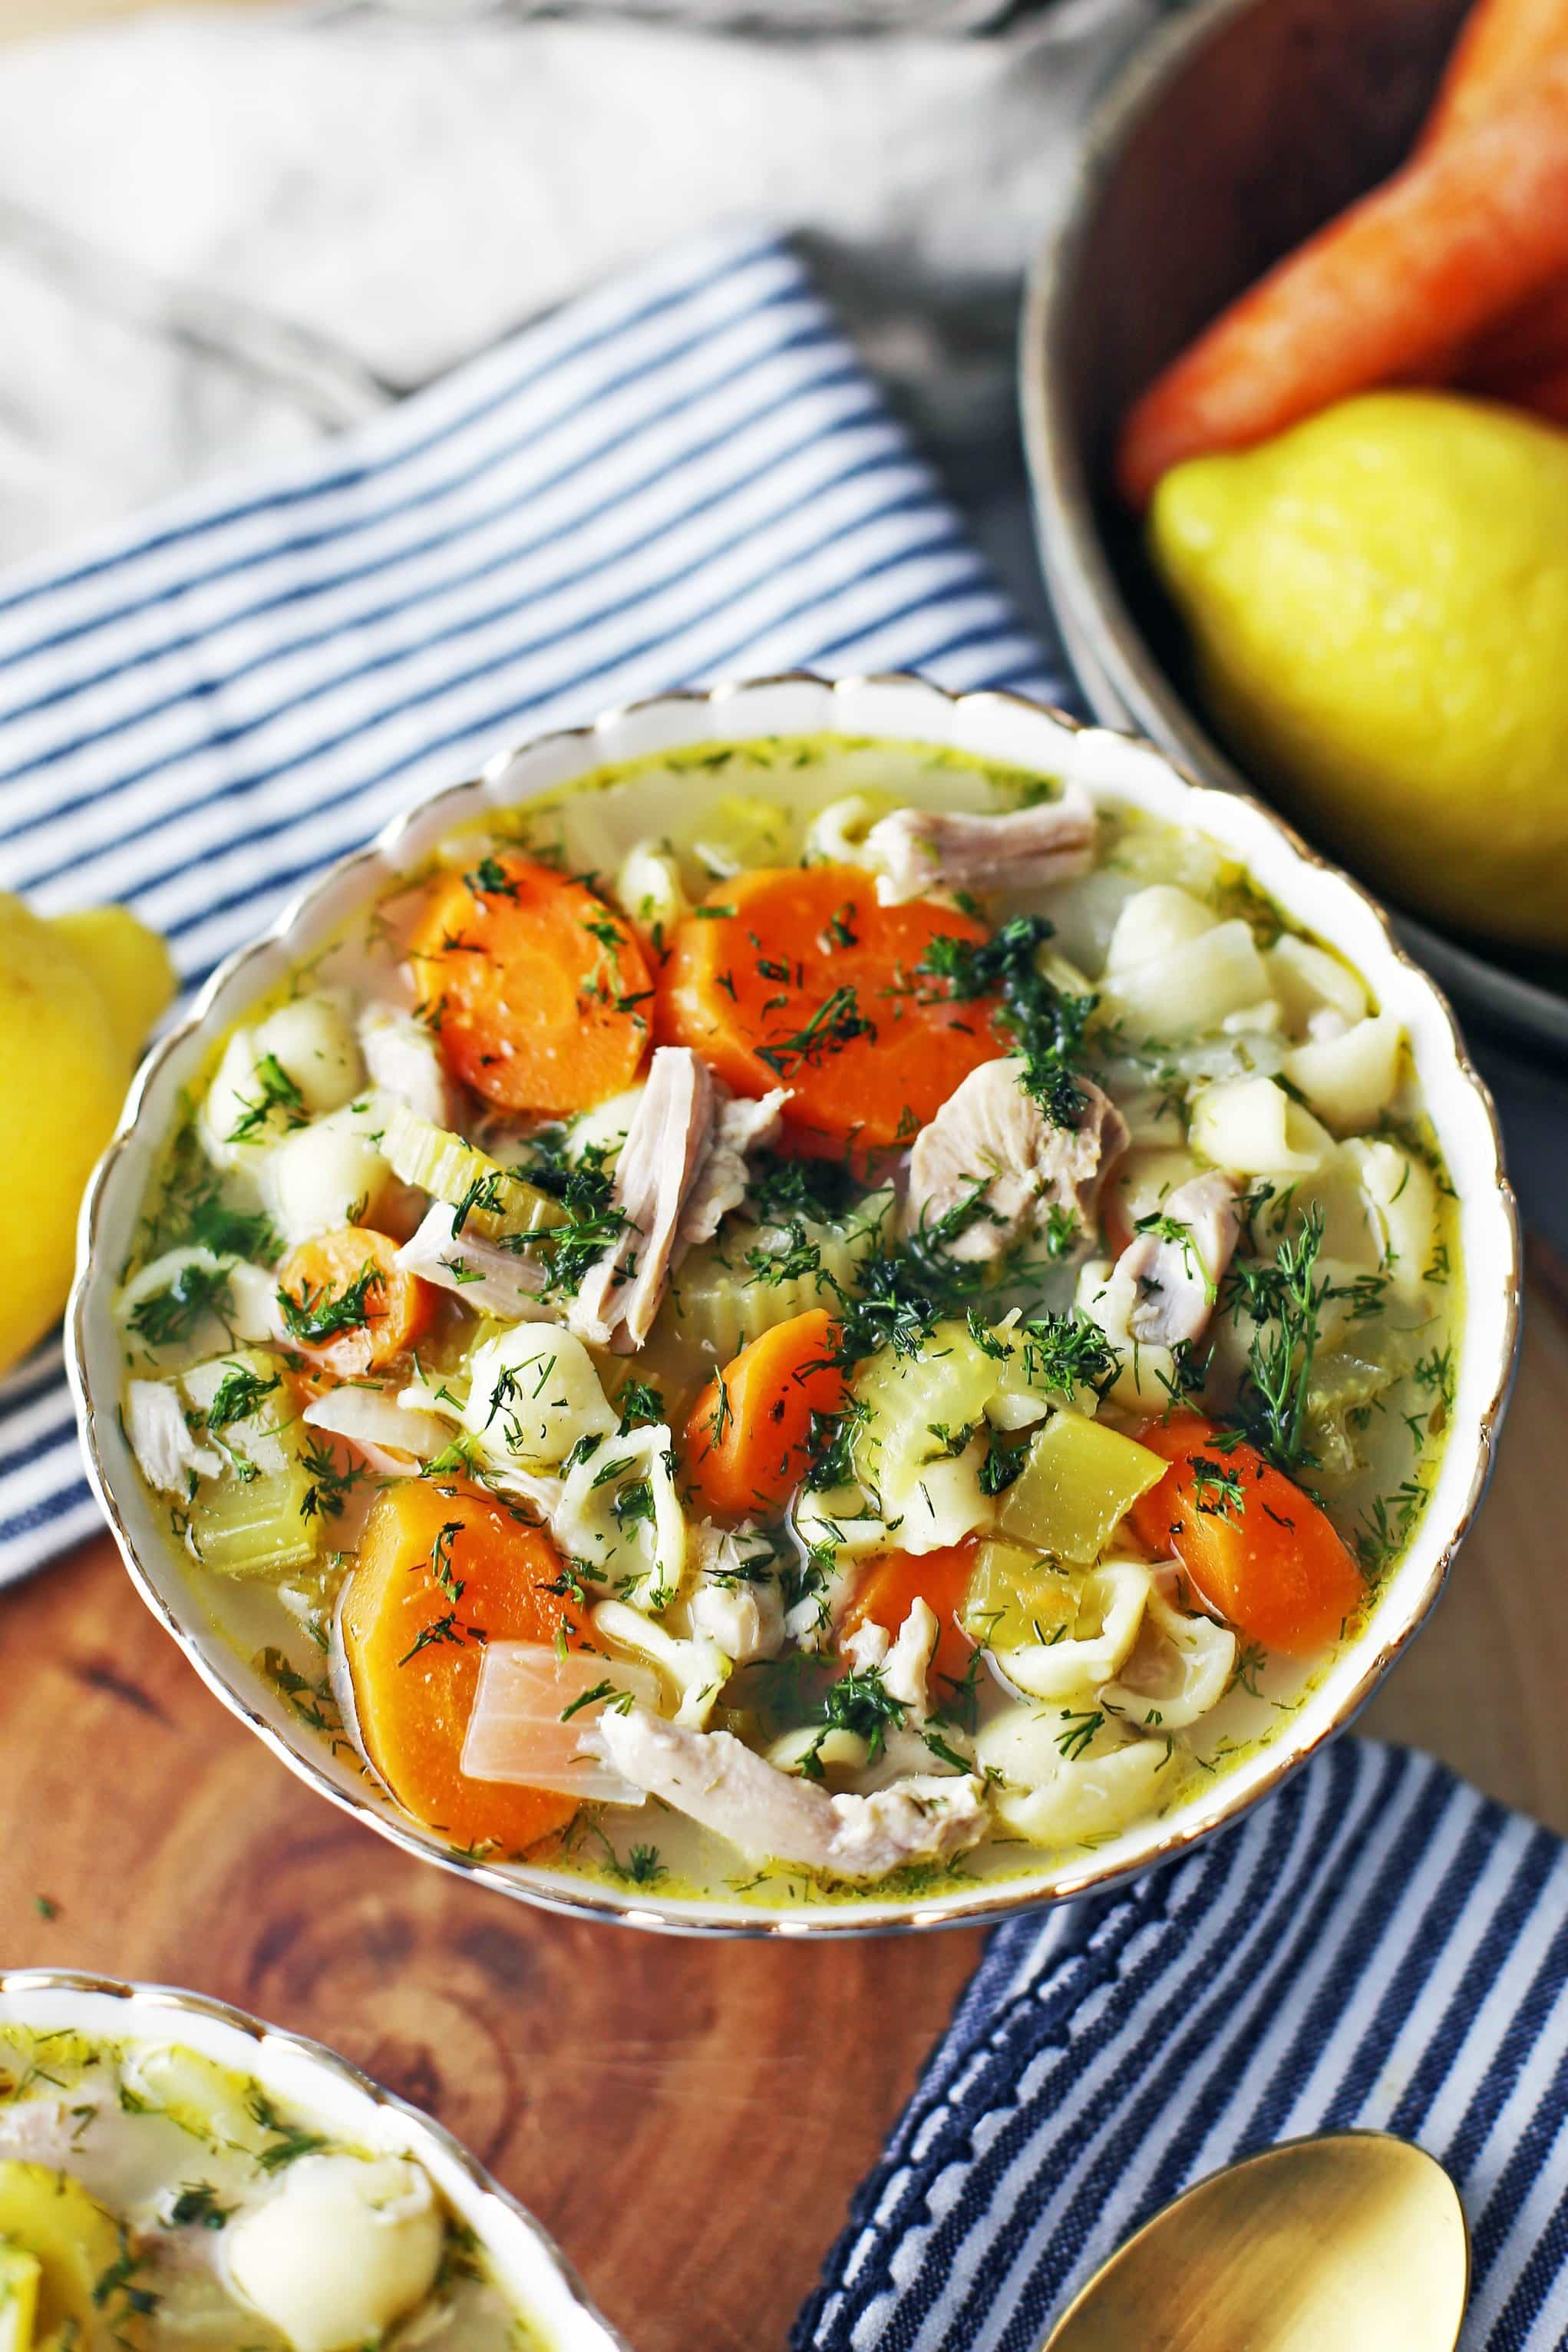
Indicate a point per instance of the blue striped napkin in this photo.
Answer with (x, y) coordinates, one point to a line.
(685, 476)
(1378, 1944)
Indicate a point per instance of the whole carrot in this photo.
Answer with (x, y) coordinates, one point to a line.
(1460, 236)
(1502, 45)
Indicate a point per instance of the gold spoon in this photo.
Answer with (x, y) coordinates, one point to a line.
(1352, 2241)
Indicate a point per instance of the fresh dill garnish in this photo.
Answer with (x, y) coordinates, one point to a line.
(640, 1406)
(1284, 1297)
(591, 1221)
(167, 1317)
(318, 1314)
(1082, 1724)
(1215, 1490)
(1002, 1463)
(197, 2207)
(289, 2142)
(642, 1867)
(1045, 1024)
(837, 1021)
(780, 1191)
(618, 1701)
(238, 1395)
(791, 1257)
(857, 1703)
(489, 879)
(278, 1092)
(331, 1483)
(116, 2284)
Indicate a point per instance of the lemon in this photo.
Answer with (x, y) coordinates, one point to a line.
(1378, 606)
(76, 998)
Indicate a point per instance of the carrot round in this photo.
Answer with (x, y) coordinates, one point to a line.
(1257, 1550)
(537, 989)
(1464, 233)
(440, 1567)
(347, 1305)
(895, 1581)
(748, 1434)
(797, 978)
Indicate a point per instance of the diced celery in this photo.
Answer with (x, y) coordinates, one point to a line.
(252, 1519)
(719, 1303)
(1079, 1481)
(1015, 1597)
(20, 2273)
(452, 1170)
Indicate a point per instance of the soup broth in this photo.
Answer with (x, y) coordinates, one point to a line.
(796, 1319)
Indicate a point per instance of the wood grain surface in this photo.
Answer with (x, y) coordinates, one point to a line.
(597, 2070)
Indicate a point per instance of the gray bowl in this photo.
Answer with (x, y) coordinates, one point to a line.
(1229, 139)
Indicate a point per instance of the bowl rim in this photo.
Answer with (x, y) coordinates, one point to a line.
(987, 1902)
(1124, 684)
(149, 2005)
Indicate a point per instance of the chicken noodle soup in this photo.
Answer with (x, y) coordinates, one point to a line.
(150, 2198)
(798, 1318)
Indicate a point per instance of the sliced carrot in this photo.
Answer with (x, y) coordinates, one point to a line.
(349, 1307)
(1460, 236)
(748, 1434)
(1259, 1551)
(797, 977)
(538, 990)
(440, 1570)
(895, 1581)
(1502, 45)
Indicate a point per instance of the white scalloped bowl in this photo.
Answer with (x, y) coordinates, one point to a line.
(999, 727)
(525, 2260)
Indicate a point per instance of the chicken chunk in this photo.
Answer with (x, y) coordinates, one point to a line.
(775, 1816)
(741, 1124)
(161, 1439)
(991, 1133)
(918, 850)
(1171, 1274)
(402, 1059)
(482, 1273)
(661, 1161)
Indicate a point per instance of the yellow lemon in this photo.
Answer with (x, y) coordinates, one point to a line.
(1378, 602)
(77, 999)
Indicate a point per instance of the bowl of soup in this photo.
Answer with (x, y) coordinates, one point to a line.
(817, 1307)
(174, 2171)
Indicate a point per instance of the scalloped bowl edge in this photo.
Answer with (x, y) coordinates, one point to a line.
(999, 727)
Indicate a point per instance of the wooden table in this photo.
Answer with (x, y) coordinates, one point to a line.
(597, 2070)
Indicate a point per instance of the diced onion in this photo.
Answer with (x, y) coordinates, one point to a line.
(520, 1732)
(393, 1439)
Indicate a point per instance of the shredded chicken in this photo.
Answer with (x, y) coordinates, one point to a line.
(917, 850)
(502, 1281)
(734, 1604)
(161, 1439)
(660, 1164)
(741, 1124)
(1173, 1272)
(402, 1058)
(990, 1132)
(775, 1816)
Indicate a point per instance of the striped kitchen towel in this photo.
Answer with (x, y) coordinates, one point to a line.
(1377, 1945)
(684, 476)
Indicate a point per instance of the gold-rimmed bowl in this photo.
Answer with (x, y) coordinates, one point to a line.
(523, 2260)
(1004, 729)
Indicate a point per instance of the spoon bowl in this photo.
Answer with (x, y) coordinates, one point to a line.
(1350, 2238)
